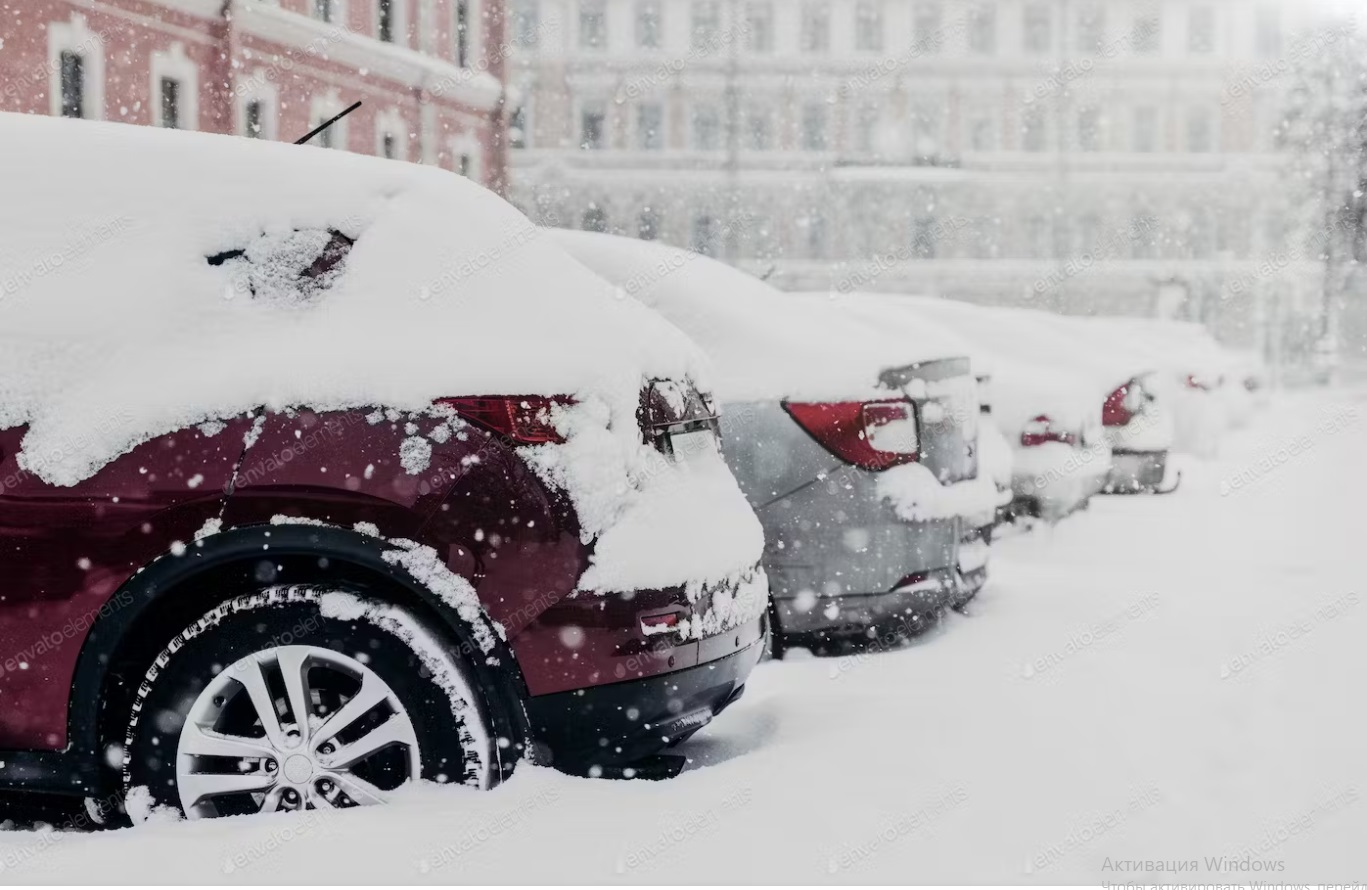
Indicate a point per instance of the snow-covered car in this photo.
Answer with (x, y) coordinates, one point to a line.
(1195, 375)
(994, 454)
(1060, 454)
(1136, 411)
(321, 474)
(1136, 420)
(854, 442)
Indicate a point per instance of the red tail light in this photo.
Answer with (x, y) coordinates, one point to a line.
(1041, 430)
(871, 435)
(1201, 383)
(1124, 404)
(524, 419)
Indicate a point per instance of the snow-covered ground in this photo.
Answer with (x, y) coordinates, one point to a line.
(1161, 679)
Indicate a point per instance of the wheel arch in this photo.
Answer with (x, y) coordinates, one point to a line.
(176, 590)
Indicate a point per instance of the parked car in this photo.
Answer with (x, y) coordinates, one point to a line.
(300, 502)
(1197, 376)
(1136, 411)
(1135, 417)
(995, 462)
(855, 442)
(1052, 420)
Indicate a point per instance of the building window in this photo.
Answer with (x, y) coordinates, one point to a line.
(1147, 34)
(1032, 129)
(926, 19)
(923, 238)
(759, 26)
(1089, 129)
(170, 103)
(816, 27)
(174, 89)
(1038, 26)
(594, 220)
(1269, 31)
(706, 25)
(324, 10)
(706, 235)
(384, 28)
(389, 146)
(1143, 244)
(648, 224)
(982, 30)
(706, 128)
(73, 84)
(868, 26)
(461, 33)
(324, 139)
(813, 227)
(593, 24)
(650, 121)
(1200, 130)
(517, 128)
(1039, 238)
(649, 26)
(981, 136)
(866, 129)
(814, 127)
(465, 164)
(252, 120)
(526, 15)
(1201, 30)
(925, 132)
(593, 127)
(758, 130)
(1146, 129)
(1091, 28)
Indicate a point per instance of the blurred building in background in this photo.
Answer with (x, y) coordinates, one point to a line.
(1089, 156)
(429, 72)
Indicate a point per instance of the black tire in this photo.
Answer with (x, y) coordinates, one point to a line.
(453, 741)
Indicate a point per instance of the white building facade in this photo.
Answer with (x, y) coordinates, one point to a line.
(1090, 156)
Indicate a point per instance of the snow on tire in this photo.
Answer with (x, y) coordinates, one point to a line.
(303, 698)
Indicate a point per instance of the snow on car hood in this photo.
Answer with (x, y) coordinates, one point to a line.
(765, 344)
(158, 279)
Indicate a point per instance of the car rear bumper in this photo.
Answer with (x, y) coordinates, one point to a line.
(618, 724)
(860, 620)
(974, 552)
(1137, 471)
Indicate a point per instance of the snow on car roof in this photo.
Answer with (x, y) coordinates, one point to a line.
(764, 343)
(152, 279)
(1024, 386)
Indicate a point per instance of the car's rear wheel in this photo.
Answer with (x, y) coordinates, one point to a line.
(299, 698)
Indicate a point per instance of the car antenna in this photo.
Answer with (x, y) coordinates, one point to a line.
(327, 123)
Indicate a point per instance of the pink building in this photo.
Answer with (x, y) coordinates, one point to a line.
(429, 72)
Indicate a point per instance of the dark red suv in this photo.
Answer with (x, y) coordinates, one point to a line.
(216, 616)
(238, 608)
